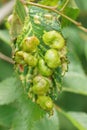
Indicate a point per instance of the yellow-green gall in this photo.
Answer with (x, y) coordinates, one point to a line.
(40, 85)
(45, 103)
(30, 44)
(19, 57)
(54, 39)
(52, 58)
(44, 69)
(27, 58)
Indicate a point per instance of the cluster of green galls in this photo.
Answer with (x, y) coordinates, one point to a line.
(45, 66)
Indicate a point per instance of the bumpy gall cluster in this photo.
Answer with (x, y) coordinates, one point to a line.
(39, 77)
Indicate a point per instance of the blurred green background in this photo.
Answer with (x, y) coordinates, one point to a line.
(74, 94)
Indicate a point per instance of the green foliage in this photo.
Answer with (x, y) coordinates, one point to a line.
(35, 25)
(49, 2)
(23, 12)
(17, 111)
(27, 113)
(78, 119)
(72, 13)
(9, 90)
(47, 123)
(82, 4)
(6, 115)
(4, 36)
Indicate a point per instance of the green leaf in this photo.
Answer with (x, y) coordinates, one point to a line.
(18, 19)
(41, 21)
(82, 4)
(16, 26)
(4, 36)
(30, 116)
(86, 50)
(36, 23)
(70, 12)
(6, 70)
(3, 128)
(64, 122)
(49, 2)
(9, 90)
(75, 82)
(47, 123)
(5, 43)
(77, 119)
(27, 113)
(6, 115)
(72, 3)
(74, 41)
(75, 78)
(21, 14)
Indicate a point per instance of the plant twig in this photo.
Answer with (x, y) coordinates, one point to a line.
(6, 58)
(66, 3)
(6, 10)
(79, 25)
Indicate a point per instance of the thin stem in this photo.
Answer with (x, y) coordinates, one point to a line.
(38, 5)
(65, 16)
(6, 58)
(58, 12)
(66, 3)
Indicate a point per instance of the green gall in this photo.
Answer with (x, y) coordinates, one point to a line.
(27, 58)
(44, 69)
(30, 44)
(36, 79)
(52, 58)
(40, 85)
(45, 103)
(19, 57)
(54, 39)
(30, 59)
